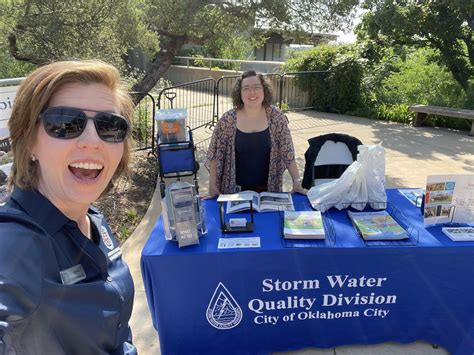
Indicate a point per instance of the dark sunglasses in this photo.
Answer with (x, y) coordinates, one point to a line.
(70, 122)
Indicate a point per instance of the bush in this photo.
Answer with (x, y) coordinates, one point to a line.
(399, 81)
(338, 89)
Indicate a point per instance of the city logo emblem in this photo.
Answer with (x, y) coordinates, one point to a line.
(106, 238)
(223, 311)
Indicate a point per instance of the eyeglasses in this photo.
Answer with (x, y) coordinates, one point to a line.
(252, 88)
(70, 122)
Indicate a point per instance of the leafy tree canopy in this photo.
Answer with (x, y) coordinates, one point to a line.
(444, 25)
(39, 31)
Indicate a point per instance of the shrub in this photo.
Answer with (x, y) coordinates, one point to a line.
(399, 81)
(338, 88)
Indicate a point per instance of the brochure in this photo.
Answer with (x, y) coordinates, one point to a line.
(378, 225)
(449, 199)
(261, 202)
(459, 234)
(303, 225)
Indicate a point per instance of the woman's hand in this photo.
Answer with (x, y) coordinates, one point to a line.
(213, 192)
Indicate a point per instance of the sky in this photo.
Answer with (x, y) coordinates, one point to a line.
(350, 37)
(346, 37)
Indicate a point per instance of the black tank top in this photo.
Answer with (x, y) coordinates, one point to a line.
(252, 158)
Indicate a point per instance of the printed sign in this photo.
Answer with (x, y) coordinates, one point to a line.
(7, 97)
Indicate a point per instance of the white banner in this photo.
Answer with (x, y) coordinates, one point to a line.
(7, 96)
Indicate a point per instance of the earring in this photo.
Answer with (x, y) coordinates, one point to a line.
(33, 158)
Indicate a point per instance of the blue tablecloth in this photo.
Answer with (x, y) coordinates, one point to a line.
(344, 291)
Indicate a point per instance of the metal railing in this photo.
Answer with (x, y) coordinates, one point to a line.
(196, 96)
(143, 127)
(261, 65)
(206, 100)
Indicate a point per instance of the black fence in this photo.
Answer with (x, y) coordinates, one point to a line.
(143, 132)
(206, 100)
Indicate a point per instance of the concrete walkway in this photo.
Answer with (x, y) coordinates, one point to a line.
(411, 154)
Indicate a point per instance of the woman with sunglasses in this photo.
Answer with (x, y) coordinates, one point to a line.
(251, 146)
(64, 288)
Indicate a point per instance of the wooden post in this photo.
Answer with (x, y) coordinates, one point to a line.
(419, 119)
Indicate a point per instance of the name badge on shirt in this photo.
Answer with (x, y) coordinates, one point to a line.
(72, 275)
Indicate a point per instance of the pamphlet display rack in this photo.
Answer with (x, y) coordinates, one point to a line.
(411, 231)
(184, 215)
(234, 225)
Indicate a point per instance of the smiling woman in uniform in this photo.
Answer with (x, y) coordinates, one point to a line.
(251, 145)
(64, 288)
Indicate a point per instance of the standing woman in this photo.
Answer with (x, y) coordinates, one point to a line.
(251, 145)
(64, 288)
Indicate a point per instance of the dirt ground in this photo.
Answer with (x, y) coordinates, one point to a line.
(126, 204)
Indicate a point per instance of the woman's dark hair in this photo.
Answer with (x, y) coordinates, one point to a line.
(267, 89)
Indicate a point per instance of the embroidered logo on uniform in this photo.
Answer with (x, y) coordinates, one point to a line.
(223, 311)
(106, 238)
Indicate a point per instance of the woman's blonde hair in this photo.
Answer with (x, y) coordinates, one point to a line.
(33, 97)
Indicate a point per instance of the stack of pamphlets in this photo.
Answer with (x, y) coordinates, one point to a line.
(378, 225)
(261, 202)
(303, 225)
(459, 234)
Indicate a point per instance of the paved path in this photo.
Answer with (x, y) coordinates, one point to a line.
(411, 154)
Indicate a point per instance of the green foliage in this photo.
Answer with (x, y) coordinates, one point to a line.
(142, 122)
(443, 25)
(338, 87)
(408, 77)
(40, 31)
(12, 68)
(420, 81)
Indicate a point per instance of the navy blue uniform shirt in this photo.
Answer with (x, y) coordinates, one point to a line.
(60, 292)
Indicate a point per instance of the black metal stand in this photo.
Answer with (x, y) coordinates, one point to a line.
(227, 228)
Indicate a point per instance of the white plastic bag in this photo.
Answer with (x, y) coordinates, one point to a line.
(331, 194)
(374, 169)
(361, 183)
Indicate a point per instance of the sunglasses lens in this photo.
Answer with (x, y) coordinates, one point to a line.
(68, 123)
(111, 127)
(64, 123)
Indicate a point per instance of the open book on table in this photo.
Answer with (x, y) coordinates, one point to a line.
(261, 202)
(303, 225)
(377, 225)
